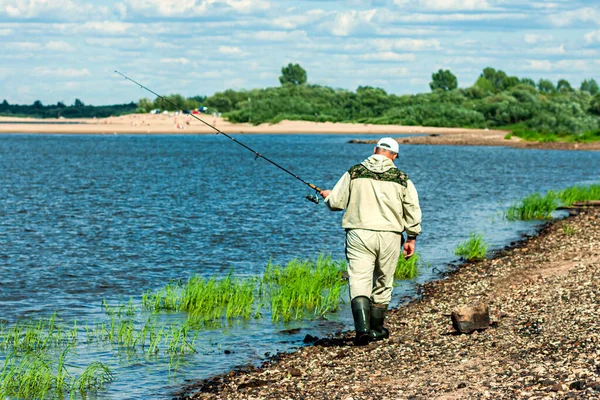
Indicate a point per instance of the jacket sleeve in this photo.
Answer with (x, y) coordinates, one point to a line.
(412, 211)
(339, 196)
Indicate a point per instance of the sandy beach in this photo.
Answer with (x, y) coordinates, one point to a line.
(543, 343)
(186, 124)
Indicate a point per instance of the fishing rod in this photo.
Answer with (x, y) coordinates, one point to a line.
(311, 197)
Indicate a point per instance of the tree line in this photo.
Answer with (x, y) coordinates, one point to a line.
(76, 110)
(495, 99)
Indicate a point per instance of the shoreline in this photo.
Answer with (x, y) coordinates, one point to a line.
(543, 299)
(148, 124)
(185, 124)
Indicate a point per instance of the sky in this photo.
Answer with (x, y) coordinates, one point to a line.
(60, 50)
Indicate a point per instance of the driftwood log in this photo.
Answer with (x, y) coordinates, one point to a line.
(581, 204)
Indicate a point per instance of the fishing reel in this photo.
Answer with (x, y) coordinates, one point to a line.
(313, 197)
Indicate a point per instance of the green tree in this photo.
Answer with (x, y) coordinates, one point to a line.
(528, 81)
(78, 103)
(485, 84)
(145, 105)
(37, 104)
(443, 79)
(60, 104)
(590, 86)
(293, 74)
(595, 105)
(564, 86)
(546, 86)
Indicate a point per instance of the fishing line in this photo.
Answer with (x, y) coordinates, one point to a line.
(312, 197)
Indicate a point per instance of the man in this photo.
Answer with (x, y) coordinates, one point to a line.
(380, 203)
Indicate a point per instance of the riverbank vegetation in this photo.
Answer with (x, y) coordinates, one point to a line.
(473, 249)
(540, 207)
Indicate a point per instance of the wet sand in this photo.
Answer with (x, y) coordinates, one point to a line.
(543, 343)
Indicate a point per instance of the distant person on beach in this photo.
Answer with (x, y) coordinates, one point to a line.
(381, 203)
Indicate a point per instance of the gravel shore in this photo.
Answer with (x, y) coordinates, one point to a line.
(543, 343)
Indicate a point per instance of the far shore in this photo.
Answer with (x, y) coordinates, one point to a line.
(185, 124)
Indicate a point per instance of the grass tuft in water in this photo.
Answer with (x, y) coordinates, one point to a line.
(534, 206)
(206, 300)
(303, 288)
(407, 268)
(34, 375)
(472, 249)
(538, 207)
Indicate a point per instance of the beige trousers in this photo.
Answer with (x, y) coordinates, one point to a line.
(372, 258)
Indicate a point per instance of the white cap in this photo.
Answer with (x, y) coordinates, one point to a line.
(387, 143)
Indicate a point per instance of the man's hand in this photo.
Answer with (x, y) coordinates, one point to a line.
(409, 248)
(324, 193)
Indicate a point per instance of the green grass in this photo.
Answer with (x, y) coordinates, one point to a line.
(35, 375)
(526, 133)
(540, 207)
(303, 288)
(300, 289)
(206, 300)
(534, 206)
(407, 269)
(472, 249)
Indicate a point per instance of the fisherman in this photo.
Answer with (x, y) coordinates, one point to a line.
(381, 203)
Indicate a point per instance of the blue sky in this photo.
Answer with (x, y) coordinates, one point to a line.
(59, 50)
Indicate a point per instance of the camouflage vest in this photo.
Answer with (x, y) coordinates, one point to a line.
(391, 175)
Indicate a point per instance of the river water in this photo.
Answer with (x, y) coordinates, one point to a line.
(87, 218)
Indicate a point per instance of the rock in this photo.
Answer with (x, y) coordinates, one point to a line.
(467, 319)
(559, 387)
(294, 372)
(462, 385)
(577, 385)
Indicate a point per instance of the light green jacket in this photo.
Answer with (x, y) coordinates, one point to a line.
(376, 203)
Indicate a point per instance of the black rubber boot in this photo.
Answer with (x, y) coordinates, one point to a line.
(361, 311)
(378, 332)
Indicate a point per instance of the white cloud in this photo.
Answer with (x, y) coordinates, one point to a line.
(230, 50)
(554, 51)
(566, 18)
(533, 38)
(592, 37)
(63, 9)
(280, 36)
(62, 72)
(169, 8)
(454, 5)
(346, 22)
(6, 32)
(406, 44)
(296, 20)
(562, 65)
(24, 46)
(246, 6)
(180, 60)
(388, 56)
(192, 8)
(421, 18)
(58, 46)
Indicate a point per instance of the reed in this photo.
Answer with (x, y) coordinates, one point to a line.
(303, 288)
(533, 207)
(34, 375)
(538, 207)
(472, 249)
(574, 194)
(407, 268)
